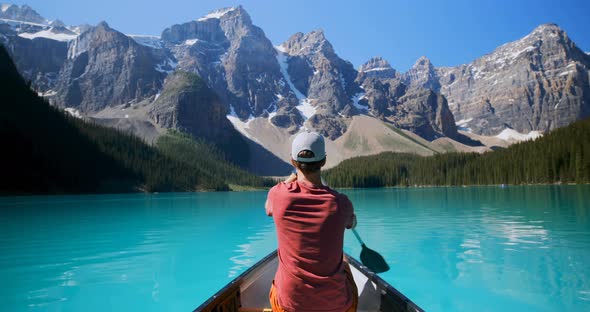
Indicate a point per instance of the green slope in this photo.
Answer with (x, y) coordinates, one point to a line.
(45, 151)
(200, 154)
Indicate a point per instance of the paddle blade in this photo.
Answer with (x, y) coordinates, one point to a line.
(373, 260)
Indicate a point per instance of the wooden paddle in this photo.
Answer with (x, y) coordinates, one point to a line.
(370, 258)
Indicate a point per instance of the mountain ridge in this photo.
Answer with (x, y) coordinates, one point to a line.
(303, 84)
(542, 67)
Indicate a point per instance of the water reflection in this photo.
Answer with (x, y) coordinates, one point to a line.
(259, 244)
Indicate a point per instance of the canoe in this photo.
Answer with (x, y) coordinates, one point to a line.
(249, 291)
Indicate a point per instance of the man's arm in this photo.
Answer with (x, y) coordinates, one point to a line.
(351, 222)
(268, 203)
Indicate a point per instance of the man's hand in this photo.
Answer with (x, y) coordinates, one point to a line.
(352, 224)
(291, 178)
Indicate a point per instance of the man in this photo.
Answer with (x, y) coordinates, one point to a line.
(310, 219)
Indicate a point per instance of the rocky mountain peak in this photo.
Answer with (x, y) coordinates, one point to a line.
(221, 13)
(423, 63)
(376, 67)
(543, 76)
(326, 82)
(57, 23)
(311, 43)
(22, 13)
(103, 25)
(238, 11)
(422, 74)
(4, 7)
(547, 47)
(106, 68)
(546, 34)
(233, 20)
(548, 29)
(316, 35)
(219, 26)
(375, 63)
(92, 37)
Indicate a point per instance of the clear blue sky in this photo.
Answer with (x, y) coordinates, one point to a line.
(448, 32)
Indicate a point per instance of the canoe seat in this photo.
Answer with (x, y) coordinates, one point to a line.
(255, 310)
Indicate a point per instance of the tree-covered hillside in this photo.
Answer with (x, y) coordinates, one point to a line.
(562, 156)
(46, 151)
(200, 154)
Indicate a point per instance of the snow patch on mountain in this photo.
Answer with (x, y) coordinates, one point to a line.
(513, 135)
(241, 126)
(73, 112)
(376, 69)
(462, 124)
(79, 28)
(5, 7)
(74, 50)
(216, 14)
(518, 53)
(271, 115)
(147, 40)
(13, 23)
(565, 73)
(49, 34)
(281, 49)
(305, 107)
(167, 66)
(272, 109)
(190, 42)
(508, 53)
(47, 93)
(355, 102)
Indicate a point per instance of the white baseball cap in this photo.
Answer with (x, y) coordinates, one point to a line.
(309, 141)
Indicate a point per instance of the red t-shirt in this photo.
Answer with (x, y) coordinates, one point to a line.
(310, 222)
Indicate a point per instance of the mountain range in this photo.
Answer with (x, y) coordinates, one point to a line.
(220, 78)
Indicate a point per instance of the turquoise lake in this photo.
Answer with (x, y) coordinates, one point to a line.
(450, 249)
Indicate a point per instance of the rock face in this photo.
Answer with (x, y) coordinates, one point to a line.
(377, 67)
(39, 60)
(104, 68)
(237, 61)
(21, 13)
(414, 108)
(537, 83)
(326, 82)
(205, 75)
(301, 83)
(187, 104)
(422, 74)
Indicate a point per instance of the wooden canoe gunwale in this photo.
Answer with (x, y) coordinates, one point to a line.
(408, 304)
(235, 283)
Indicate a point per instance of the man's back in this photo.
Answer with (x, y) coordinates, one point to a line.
(310, 222)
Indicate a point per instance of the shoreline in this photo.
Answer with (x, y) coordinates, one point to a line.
(239, 189)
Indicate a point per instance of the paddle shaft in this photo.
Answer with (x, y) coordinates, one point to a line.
(358, 237)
